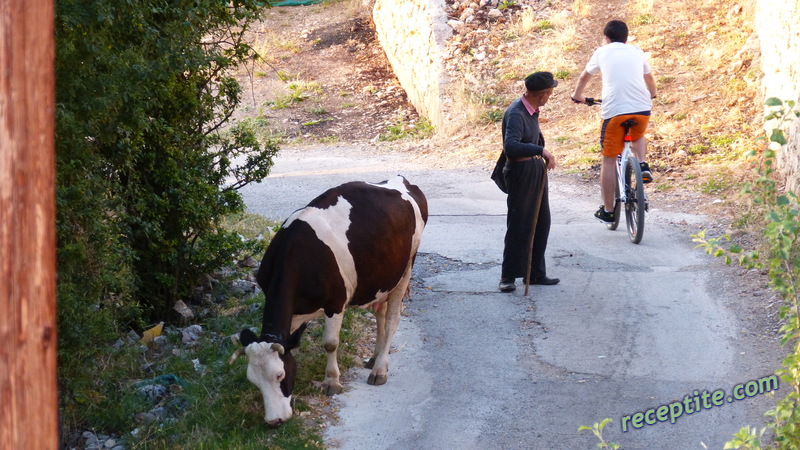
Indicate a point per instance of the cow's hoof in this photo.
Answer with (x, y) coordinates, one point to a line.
(376, 380)
(370, 363)
(333, 389)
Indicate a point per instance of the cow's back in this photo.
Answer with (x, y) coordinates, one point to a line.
(386, 226)
(353, 243)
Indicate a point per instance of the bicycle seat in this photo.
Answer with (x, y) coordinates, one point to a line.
(630, 123)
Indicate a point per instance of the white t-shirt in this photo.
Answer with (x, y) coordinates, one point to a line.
(623, 67)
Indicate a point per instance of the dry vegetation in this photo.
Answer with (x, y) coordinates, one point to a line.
(706, 117)
(324, 78)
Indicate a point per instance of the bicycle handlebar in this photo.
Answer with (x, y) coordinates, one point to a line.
(590, 101)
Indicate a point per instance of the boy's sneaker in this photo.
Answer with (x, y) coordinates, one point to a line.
(604, 216)
(647, 177)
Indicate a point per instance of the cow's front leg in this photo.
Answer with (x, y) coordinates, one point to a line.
(333, 325)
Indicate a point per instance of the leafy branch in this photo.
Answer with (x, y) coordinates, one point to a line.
(781, 231)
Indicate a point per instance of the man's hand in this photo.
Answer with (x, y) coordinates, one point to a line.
(578, 99)
(549, 159)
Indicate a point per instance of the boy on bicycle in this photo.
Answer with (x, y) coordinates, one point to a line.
(628, 90)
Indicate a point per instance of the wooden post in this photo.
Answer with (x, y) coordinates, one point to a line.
(28, 392)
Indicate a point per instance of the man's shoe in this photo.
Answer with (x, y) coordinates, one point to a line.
(507, 285)
(604, 216)
(647, 177)
(544, 281)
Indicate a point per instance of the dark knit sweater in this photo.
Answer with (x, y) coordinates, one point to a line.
(521, 134)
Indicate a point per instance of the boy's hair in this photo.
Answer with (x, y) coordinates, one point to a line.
(616, 31)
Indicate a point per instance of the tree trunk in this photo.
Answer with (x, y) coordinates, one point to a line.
(28, 393)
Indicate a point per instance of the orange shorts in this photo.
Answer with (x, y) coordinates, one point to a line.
(612, 133)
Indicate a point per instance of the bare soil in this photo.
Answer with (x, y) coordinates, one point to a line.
(330, 58)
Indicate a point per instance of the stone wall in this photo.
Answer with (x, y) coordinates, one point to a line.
(413, 34)
(779, 34)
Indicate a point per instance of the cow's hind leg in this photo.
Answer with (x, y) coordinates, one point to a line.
(379, 311)
(333, 326)
(394, 306)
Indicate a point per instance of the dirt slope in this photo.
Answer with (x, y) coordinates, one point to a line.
(324, 78)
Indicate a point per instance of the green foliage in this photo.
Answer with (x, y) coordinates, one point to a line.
(493, 115)
(562, 74)
(401, 130)
(643, 19)
(745, 439)
(504, 4)
(219, 408)
(145, 164)
(718, 184)
(782, 248)
(597, 430)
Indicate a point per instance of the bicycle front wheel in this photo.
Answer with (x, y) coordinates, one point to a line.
(635, 201)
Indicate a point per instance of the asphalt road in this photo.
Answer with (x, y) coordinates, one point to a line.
(630, 327)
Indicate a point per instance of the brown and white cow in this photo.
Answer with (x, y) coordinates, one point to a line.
(353, 246)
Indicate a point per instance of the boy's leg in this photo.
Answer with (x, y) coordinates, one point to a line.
(607, 179)
(639, 147)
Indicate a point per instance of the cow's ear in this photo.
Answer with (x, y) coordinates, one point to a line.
(247, 337)
(294, 339)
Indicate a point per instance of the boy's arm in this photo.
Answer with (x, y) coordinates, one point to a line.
(650, 82)
(577, 94)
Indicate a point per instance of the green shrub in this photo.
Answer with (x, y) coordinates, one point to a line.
(782, 248)
(145, 166)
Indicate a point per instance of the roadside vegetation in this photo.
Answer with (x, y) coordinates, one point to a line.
(777, 214)
(779, 255)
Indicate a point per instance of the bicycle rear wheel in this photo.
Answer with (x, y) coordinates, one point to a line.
(613, 225)
(635, 201)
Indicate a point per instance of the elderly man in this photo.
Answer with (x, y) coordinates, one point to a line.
(526, 162)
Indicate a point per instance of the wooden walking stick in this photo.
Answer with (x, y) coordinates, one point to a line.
(535, 221)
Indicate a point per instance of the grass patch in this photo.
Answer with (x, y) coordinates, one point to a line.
(720, 183)
(333, 139)
(663, 186)
(248, 224)
(505, 4)
(492, 116)
(316, 122)
(665, 79)
(401, 130)
(318, 110)
(643, 19)
(215, 406)
(543, 25)
(298, 92)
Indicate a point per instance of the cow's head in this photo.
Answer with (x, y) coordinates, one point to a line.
(272, 367)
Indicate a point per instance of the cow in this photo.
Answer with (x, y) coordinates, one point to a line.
(353, 246)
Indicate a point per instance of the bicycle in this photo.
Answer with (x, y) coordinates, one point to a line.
(629, 189)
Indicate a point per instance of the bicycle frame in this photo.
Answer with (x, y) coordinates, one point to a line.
(629, 192)
(622, 160)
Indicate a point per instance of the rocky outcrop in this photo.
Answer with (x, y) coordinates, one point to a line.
(776, 25)
(413, 34)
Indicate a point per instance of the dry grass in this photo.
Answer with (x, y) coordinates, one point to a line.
(706, 77)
